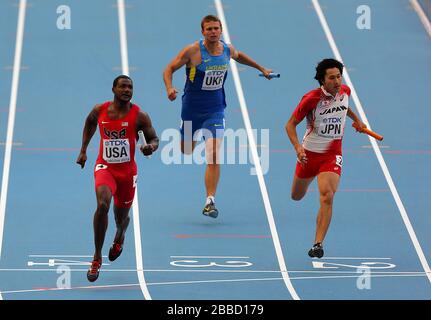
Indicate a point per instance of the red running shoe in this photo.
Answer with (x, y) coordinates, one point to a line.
(93, 272)
(115, 251)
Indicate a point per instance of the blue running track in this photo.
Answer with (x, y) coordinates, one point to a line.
(378, 245)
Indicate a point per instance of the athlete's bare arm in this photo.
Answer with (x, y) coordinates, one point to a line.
(88, 132)
(242, 58)
(144, 124)
(183, 58)
(293, 137)
(356, 119)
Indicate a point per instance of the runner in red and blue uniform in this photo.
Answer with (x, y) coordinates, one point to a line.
(203, 101)
(115, 171)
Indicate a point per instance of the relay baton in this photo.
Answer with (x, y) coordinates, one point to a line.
(144, 142)
(271, 75)
(367, 131)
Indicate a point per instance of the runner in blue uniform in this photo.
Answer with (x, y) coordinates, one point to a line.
(203, 101)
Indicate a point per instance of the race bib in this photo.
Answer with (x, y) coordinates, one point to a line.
(331, 127)
(213, 79)
(116, 150)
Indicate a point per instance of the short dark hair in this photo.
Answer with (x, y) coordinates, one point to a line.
(325, 64)
(123, 76)
(210, 18)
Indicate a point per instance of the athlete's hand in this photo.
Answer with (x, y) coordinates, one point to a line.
(172, 94)
(82, 158)
(301, 155)
(266, 73)
(360, 126)
(147, 150)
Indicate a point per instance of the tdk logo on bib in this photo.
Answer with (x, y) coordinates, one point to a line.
(116, 143)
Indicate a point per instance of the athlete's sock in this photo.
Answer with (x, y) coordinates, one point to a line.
(210, 199)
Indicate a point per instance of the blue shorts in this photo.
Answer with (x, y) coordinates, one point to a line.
(212, 125)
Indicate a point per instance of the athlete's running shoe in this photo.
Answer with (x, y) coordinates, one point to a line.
(210, 210)
(316, 251)
(115, 251)
(93, 272)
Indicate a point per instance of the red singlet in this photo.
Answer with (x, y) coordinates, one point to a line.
(115, 164)
(326, 118)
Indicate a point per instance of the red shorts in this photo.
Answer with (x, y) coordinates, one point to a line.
(317, 163)
(121, 183)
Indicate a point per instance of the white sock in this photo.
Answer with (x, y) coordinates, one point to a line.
(209, 199)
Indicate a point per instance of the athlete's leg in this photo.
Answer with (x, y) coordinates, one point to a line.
(187, 147)
(100, 220)
(123, 199)
(304, 175)
(122, 220)
(187, 129)
(213, 133)
(300, 187)
(212, 173)
(328, 184)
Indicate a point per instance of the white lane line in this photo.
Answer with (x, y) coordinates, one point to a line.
(135, 206)
(74, 288)
(61, 256)
(207, 281)
(353, 258)
(11, 118)
(123, 37)
(138, 247)
(422, 16)
(255, 155)
(374, 271)
(376, 149)
(206, 257)
(209, 257)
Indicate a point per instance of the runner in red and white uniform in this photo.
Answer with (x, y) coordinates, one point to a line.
(320, 153)
(115, 171)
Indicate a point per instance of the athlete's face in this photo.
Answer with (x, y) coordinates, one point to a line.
(212, 31)
(123, 91)
(332, 81)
